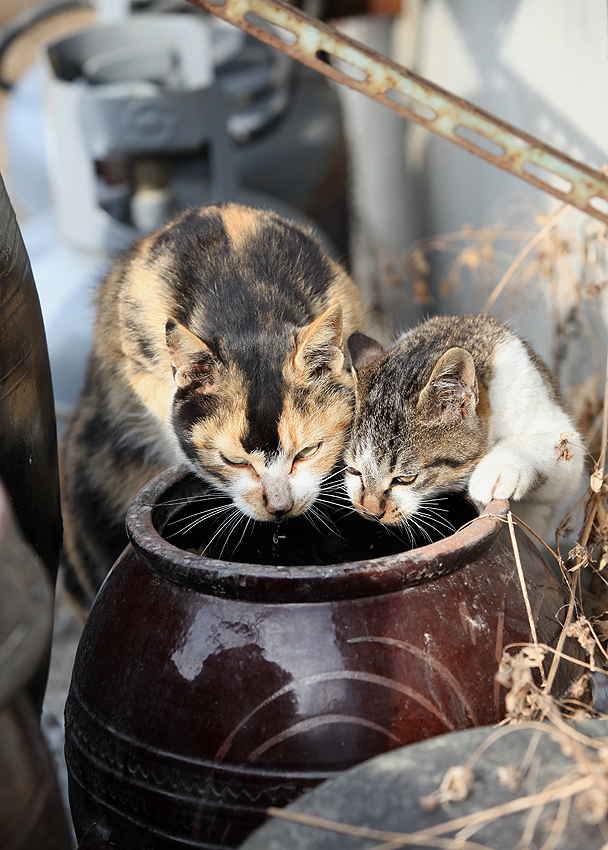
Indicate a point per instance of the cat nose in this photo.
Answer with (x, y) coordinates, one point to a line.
(278, 507)
(278, 499)
(279, 512)
(373, 506)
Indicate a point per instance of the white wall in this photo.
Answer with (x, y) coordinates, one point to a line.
(543, 66)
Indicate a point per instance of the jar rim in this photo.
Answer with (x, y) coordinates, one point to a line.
(369, 577)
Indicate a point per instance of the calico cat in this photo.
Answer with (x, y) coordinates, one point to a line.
(218, 342)
(459, 403)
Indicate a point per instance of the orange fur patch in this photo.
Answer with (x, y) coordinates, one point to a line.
(224, 431)
(240, 223)
(154, 391)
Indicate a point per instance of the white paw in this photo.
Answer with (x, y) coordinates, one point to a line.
(499, 478)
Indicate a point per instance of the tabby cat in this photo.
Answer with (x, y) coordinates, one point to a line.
(459, 403)
(218, 342)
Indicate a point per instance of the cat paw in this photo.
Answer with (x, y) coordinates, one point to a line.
(496, 479)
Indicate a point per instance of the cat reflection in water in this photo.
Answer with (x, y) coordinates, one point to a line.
(459, 403)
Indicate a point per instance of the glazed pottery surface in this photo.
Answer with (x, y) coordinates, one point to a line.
(205, 691)
(32, 816)
(28, 437)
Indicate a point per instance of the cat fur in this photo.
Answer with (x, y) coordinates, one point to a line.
(218, 342)
(459, 403)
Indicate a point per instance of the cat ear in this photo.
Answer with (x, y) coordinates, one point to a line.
(363, 350)
(192, 361)
(319, 345)
(451, 393)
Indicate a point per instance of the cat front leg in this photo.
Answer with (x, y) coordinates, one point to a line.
(529, 466)
(504, 473)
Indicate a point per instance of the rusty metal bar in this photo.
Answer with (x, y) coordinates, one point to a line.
(316, 44)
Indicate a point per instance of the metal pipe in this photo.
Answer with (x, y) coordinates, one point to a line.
(345, 60)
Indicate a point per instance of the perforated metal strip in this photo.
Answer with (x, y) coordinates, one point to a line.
(316, 44)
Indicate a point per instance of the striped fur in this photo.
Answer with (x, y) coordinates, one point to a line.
(459, 403)
(218, 342)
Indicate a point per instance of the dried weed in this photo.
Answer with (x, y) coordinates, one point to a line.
(528, 672)
(559, 260)
(454, 788)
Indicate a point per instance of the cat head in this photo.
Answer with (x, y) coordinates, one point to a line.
(265, 423)
(419, 428)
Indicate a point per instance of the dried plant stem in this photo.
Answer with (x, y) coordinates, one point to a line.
(560, 643)
(598, 642)
(594, 502)
(573, 514)
(592, 506)
(596, 497)
(522, 580)
(586, 530)
(565, 657)
(530, 825)
(439, 242)
(485, 744)
(523, 525)
(559, 824)
(439, 843)
(602, 460)
(522, 256)
(390, 840)
(568, 786)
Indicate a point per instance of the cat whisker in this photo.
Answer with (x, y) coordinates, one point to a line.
(193, 520)
(367, 514)
(338, 511)
(432, 503)
(334, 474)
(186, 528)
(414, 520)
(186, 500)
(228, 527)
(333, 500)
(206, 512)
(429, 509)
(250, 521)
(309, 515)
(228, 522)
(335, 491)
(439, 518)
(323, 519)
(232, 526)
(334, 484)
(404, 526)
(427, 519)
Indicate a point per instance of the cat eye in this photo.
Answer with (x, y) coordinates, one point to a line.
(404, 480)
(309, 451)
(352, 471)
(235, 461)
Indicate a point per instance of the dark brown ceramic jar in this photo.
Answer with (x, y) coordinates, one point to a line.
(206, 690)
